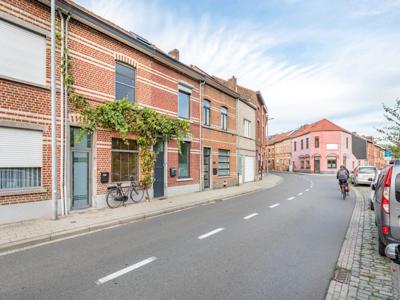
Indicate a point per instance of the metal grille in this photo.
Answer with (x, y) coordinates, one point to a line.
(342, 275)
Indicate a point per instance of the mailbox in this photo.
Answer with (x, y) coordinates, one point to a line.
(104, 177)
(172, 172)
(215, 171)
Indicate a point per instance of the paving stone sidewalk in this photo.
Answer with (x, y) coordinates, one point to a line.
(23, 234)
(361, 273)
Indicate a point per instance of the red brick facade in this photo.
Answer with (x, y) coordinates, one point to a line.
(94, 52)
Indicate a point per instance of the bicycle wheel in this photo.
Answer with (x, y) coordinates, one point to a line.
(344, 193)
(112, 195)
(136, 194)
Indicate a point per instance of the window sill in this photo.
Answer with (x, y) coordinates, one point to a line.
(224, 176)
(42, 86)
(184, 179)
(22, 191)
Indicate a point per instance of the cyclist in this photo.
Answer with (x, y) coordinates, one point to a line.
(343, 176)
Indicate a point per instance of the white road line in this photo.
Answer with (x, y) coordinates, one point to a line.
(250, 216)
(299, 194)
(307, 190)
(291, 198)
(210, 233)
(274, 205)
(125, 270)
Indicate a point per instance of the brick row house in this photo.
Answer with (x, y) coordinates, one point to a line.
(108, 63)
(321, 147)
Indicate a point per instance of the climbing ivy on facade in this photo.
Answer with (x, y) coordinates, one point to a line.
(126, 118)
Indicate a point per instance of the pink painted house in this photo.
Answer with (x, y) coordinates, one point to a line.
(321, 147)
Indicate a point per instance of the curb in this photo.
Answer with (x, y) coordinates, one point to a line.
(336, 289)
(118, 222)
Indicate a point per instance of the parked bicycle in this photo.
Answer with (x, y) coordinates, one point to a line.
(117, 195)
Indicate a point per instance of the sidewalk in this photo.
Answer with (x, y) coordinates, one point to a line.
(23, 234)
(361, 273)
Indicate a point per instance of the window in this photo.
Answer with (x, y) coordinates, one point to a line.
(258, 131)
(302, 144)
(19, 61)
(21, 158)
(307, 143)
(295, 146)
(206, 112)
(316, 142)
(183, 105)
(302, 164)
(308, 164)
(124, 82)
(224, 118)
(124, 160)
(223, 162)
(246, 128)
(332, 163)
(347, 143)
(184, 161)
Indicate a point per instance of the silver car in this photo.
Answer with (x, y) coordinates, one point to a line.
(387, 206)
(364, 175)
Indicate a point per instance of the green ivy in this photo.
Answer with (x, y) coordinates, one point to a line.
(126, 118)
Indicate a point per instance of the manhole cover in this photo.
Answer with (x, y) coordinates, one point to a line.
(342, 275)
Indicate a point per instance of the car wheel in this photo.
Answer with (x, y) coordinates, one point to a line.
(381, 247)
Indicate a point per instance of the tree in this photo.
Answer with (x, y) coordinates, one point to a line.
(391, 132)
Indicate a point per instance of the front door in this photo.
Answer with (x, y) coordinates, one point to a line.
(206, 167)
(80, 158)
(317, 165)
(158, 186)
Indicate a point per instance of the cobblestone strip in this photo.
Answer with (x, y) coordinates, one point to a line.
(369, 274)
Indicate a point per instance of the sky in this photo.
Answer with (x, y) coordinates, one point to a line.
(311, 59)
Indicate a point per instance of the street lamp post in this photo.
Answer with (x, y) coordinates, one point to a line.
(268, 119)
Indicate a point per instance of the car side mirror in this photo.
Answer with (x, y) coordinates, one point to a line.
(392, 251)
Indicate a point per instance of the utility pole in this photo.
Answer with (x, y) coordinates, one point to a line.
(53, 112)
(268, 144)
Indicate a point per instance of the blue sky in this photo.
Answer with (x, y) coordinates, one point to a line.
(311, 59)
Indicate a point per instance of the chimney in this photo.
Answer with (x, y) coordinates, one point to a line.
(232, 83)
(174, 53)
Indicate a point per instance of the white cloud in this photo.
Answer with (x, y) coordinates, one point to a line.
(351, 73)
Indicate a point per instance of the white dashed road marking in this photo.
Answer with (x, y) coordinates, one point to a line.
(125, 270)
(250, 216)
(291, 198)
(307, 190)
(274, 205)
(299, 194)
(206, 235)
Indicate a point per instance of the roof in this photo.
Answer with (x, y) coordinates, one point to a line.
(322, 125)
(280, 137)
(215, 83)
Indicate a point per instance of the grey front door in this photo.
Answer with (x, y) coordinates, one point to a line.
(158, 186)
(80, 169)
(317, 165)
(206, 167)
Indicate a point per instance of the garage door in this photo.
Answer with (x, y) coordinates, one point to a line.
(248, 169)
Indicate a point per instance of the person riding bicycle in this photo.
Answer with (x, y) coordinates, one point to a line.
(343, 176)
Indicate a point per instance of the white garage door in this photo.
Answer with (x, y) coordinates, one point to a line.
(248, 169)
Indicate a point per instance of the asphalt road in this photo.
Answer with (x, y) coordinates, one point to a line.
(256, 246)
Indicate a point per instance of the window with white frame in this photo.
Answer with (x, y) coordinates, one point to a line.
(224, 118)
(206, 112)
(184, 161)
(246, 128)
(22, 53)
(20, 159)
(183, 104)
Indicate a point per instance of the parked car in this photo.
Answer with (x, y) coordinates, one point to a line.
(387, 206)
(364, 175)
(372, 193)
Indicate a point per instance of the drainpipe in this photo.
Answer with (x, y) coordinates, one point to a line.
(201, 137)
(54, 174)
(66, 131)
(62, 119)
